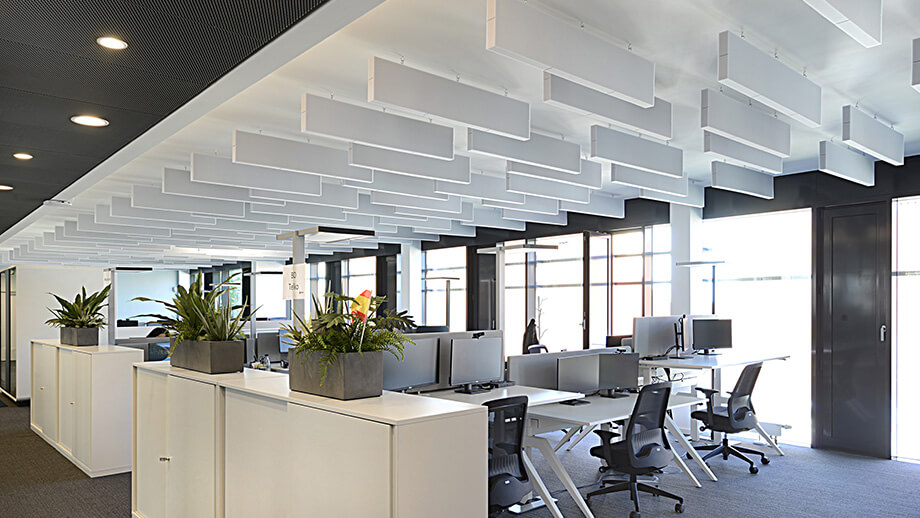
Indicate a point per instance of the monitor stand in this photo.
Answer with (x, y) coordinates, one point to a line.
(575, 402)
(708, 352)
(470, 388)
(613, 394)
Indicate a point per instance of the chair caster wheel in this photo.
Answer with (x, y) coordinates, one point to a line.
(753, 470)
(602, 469)
(634, 514)
(678, 508)
(764, 460)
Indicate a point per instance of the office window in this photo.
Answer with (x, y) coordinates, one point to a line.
(359, 274)
(764, 286)
(437, 267)
(269, 289)
(514, 312)
(640, 262)
(599, 272)
(558, 292)
(318, 288)
(905, 291)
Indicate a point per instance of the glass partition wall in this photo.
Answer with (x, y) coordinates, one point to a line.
(905, 291)
(441, 268)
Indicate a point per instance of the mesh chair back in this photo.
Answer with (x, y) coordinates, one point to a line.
(506, 435)
(648, 446)
(740, 407)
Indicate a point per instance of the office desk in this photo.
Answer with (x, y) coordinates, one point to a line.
(600, 412)
(715, 363)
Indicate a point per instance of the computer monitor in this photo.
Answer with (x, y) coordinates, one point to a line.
(418, 368)
(712, 334)
(474, 361)
(268, 344)
(429, 329)
(653, 336)
(618, 372)
(285, 342)
(578, 373)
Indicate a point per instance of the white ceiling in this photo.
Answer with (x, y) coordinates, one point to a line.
(448, 39)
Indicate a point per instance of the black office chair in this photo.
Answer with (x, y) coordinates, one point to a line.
(536, 349)
(645, 449)
(508, 480)
(738, 416)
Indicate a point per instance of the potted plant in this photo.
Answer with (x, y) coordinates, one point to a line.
(339, 353)
(81, 319)
(205, 336)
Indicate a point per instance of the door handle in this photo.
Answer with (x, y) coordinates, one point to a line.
(882, 332)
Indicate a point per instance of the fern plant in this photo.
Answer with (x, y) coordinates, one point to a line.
(336, 330)
(84, 312)
(198, 315)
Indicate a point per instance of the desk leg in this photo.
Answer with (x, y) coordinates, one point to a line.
(675, 431)
(769, 439)
(568, 435)
(582, 435)
(547, 450)
(540, 488)
(716, 385)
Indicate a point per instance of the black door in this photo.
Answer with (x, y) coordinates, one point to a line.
(852, 350)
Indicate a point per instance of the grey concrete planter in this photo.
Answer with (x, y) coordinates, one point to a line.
(210, 357)
(352, 376)
(80, 336)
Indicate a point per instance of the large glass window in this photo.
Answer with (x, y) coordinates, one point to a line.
(440, 268)
(764, 286)
(514, 312)
(559, 295)
(359, 274)
(269, 298)
(318, 287)
(905, 287)
(640, 262)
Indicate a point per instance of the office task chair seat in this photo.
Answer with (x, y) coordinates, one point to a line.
(737, 416)
(644, 450)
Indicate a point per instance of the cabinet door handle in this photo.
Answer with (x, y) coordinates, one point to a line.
(71, 402)
(41, 388)
(164, 459)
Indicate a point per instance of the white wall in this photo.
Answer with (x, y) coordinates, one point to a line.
(34, 285)
(156, 284)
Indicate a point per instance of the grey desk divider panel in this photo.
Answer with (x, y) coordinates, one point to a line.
(444, 352)
(539, 370)
(268, 343)
(418, 369)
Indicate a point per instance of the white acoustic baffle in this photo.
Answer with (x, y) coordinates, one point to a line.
(540, 150)
(528, 34)
(743, 123)
(859, 19)
(722, 147)
(631, 177)
(430, 95)
(349, 122)
(636, 152)
(730, 177)
(869, 135)
(838, 160)
(654, 121)
(744, 68)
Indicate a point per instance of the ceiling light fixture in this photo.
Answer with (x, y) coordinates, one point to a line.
(6, 188)
(22, 156)
(89, 120)
(112, 43)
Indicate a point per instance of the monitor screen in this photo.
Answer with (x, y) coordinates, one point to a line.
(712, 334)
(476, 360)
(269, 344)
(418, 368)
(578, 373)
(619, 371)
(652, 336)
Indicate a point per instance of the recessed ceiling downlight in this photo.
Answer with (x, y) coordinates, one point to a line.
(89, 120)
(6, 188)
(22, 156)
(112, 43)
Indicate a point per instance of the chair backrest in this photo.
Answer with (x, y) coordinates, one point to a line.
(537, 348)
(508, 481)
(740, 408)
(648, 446)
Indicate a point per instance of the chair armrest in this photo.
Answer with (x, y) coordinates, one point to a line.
(710, 402)
(606, 437)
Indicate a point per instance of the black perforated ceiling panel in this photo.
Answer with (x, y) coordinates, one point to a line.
(52, 68)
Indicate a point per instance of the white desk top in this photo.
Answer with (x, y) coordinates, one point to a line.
(214, 379)
(535, 396)
(603, 410)
(92, 349)
(713, 361)
(393, 408)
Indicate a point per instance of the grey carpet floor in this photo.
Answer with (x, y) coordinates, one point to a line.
(36, 481)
